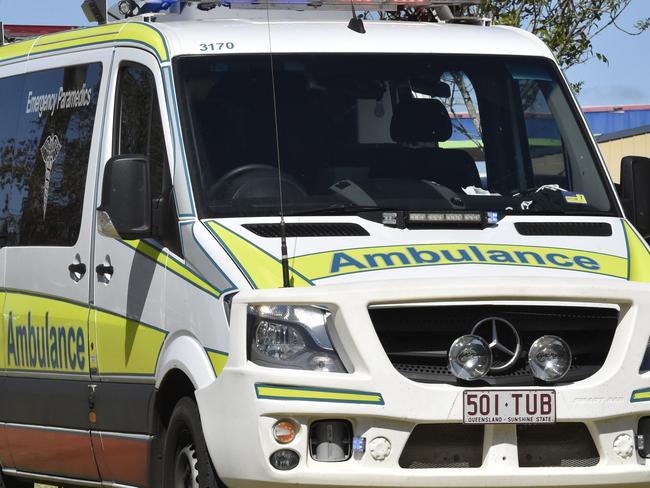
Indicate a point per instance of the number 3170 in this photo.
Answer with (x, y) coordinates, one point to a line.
(217, 46)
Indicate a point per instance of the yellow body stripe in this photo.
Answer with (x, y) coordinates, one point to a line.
(137, 32)
(218, 360)
(126, 347)
(265, 271)
(262, 269)
(276, 392)
(334, 263)
(639, 256)
(45, 335)
(642, 395)
(16, 50)
(155, 254)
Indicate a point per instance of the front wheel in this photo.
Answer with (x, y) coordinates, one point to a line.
(186, 461)
(14, 483)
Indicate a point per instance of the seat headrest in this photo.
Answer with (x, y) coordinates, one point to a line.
(420, 120)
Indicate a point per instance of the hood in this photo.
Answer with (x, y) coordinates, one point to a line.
(350, 249)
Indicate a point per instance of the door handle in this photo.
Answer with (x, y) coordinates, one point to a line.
(77, 270)
(103, 269)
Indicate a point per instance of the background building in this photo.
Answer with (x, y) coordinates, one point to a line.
(620, 131)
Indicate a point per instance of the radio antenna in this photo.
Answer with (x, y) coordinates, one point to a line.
(286, 280)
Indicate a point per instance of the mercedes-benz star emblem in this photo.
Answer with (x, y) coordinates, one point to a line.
(503, 339)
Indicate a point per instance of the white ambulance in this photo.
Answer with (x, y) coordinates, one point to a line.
(278, 251)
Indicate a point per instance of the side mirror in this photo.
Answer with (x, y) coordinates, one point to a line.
(125, 212)
(635, 192)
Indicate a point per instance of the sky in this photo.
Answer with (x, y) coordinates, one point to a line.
(624, 81)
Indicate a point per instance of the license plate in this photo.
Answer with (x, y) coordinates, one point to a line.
(509, 406)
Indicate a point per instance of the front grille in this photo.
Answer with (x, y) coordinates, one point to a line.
(567, 445)
(417, 339)
(443, 446)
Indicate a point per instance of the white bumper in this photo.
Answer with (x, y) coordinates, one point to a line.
(237, 423)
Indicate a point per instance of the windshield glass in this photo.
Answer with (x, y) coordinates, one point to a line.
(400, 132)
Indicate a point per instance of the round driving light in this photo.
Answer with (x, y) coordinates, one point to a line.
(284, 459)
(285, 431)
(470, 357)
(380, 448)
(549, 358)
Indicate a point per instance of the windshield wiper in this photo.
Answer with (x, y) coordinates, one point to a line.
(341, 208)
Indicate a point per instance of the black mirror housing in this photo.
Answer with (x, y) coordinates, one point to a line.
(126, 196)
(635, 192)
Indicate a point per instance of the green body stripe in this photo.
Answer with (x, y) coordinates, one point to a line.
(278, 392)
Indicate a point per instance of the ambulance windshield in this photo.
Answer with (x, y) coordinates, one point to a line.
(401, 132)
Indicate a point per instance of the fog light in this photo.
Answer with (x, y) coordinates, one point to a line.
(470, 357)
(380, 448)
(330, 440)
(285, 431)
(624, 446)
(549, 358)
(284, 459)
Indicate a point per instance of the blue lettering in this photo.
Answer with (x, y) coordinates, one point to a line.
(463, 256)
(477, 253)
(341, 260)
(522, 256)
(11, 344)
(587, 263)
(421, 257)
(556, 260)
(387, 258)
(81, 349)
(72, 355)
(500, 256)
(54, 352)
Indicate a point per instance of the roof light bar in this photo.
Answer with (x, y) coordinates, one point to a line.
(342, 4)
(130, 8)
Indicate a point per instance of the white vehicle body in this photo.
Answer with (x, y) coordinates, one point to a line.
(159, 322)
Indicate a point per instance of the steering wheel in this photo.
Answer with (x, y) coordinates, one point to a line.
(222, 183)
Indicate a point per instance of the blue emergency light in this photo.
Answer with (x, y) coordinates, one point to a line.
(157, 6)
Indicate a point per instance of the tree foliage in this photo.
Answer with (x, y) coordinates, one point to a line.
(568, 27)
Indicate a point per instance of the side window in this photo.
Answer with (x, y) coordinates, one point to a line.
(139, 130)
(49, 163)
(545, 145)
(9, 107)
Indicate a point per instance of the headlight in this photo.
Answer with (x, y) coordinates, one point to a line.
(292, 336)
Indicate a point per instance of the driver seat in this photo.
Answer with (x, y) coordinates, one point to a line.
(417, 121)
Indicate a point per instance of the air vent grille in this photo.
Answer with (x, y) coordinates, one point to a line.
(319, 229)
(584, 229)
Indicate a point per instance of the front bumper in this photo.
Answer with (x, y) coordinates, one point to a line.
(237, 415)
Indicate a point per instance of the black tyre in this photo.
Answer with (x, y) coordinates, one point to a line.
(186, 462)
(14, 483)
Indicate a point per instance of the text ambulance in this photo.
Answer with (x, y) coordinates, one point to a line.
(289, 253)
